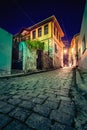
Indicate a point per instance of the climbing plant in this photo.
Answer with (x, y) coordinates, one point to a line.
(35, 45)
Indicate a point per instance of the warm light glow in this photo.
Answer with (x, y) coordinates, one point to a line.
(72, 50)
(70, 64)
(65, 66)
(65, 51)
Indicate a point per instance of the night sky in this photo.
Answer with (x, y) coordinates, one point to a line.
(18, 14)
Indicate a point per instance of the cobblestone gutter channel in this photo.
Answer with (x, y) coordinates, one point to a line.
(79, 96)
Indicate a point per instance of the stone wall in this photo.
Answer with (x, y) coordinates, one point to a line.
(57, 62)
(30, 63)
(47, 61)
(83, 62)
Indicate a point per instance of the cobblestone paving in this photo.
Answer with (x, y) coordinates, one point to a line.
(79, 94)
(37, 102)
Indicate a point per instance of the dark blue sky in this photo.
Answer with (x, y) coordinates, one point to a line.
(17, 14)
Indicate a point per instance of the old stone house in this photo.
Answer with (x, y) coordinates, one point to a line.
(49, 33)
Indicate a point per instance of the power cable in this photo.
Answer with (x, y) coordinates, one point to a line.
(23, 11)
(64, 29)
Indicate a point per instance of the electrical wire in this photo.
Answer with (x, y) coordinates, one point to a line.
(64, 29)
(23, 11)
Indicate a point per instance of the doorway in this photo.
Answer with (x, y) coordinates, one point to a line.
(39, 59)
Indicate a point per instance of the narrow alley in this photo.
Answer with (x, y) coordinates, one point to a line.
(43, 65)
(37, 102)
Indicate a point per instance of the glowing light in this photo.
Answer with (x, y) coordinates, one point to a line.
(70, 64)
(65, 51)
(72, 50)
(65, 66)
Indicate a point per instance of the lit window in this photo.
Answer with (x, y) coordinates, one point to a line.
(34, 34)
(46, 29)
(39, 32)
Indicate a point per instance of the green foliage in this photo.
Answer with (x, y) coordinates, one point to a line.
(35, 45)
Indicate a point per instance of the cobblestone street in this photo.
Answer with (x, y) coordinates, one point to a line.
(37, 102)
(79, 92)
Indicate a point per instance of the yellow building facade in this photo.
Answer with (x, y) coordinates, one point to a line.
(48, 32)
(73, 50)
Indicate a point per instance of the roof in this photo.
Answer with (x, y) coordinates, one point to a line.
(51, 18)
(76, 35)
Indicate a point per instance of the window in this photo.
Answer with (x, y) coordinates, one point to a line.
(54, 31)
(57, 35)
(83, 44)
(28, 37)
(46, 29)
(56, 50)
(39, 32)
(59, 38)
(79, 56)
(23, 39)
(17, 39)
(34, 34)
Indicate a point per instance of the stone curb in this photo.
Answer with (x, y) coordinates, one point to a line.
(78, 77)
(25, 74)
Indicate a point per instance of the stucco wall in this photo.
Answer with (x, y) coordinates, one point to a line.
(58, 55)
(29, 57)
(83, 61)
(5, 52)
(83, 33)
